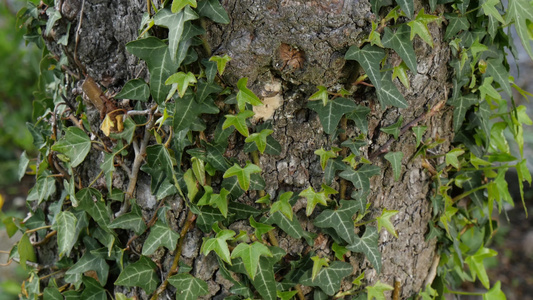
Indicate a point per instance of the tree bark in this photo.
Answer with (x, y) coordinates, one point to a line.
(259, 30)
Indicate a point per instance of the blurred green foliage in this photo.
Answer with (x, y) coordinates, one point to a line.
(19, 71)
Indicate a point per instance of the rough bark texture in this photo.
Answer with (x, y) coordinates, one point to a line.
(321, 32)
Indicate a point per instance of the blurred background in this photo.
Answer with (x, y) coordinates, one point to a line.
(19, 70)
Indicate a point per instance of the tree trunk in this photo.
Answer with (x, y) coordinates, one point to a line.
(316, 34)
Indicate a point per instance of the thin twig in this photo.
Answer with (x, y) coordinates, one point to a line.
(46, 239)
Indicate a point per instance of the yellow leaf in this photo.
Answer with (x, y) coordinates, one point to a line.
(120, 123)
(1, 201)
(106, 125)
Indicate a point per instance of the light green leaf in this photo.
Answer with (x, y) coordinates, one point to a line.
(328, 279)
(489, 9)
(238, 121)
(283, 205)
(141, 273)
(332, 112)
(160, 235)
(198, 169)
(419, 133)
(182, 81)
(376, 291)
(313, 198)
(452, 157)
(180, 4)
(250, 256)
(90, 262)
(325, 156)
(339, 251)
(220, 201)
(188, 287)
(260, 228)
(213, 10)
(260, 139)
(175, 23)
(287, 295)
(75, 144)
(340, 220)
(384, 221)
(400, 72)
(368, 244)
(25, 251)
(322, 94)
(318, 263)
(219, 244)
(477, 268)
(419, 26)
(135, 89)
(495, 293)
(487, 89)
(370, 59)
(242, 174)
(461, 104)
(395, 159)
(66, 232)
(245, 95)
(160, 64)
(399, 41)
(221, 62)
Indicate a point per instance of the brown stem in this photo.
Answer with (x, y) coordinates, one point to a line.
(46, 239)
(174, 268)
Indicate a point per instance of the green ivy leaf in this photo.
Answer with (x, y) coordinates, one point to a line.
(182, 81)
(395, 159)
(213, 10)
(384, 221)
(456, 24)
(127, 133)
(340, 220)
(130, 221)
(359, 116)
(135, 89)
(272, 146)
(496, 70)
(419, 133)
(487, 89)
(408, 7)
(23, 165)
(376, 291)
(368, 245)
(339, 250)
(489, 9)
(90, 262)
(219, 244)
(400, 72)
(204, 89)
(260, 139)
(370, 59)
(290, 227)
(187, 110)
(375, 37)
(399, 41)
(250, 255)
(495, 293)
(178, 5)
(322, 94)
(477, 268)
(318, 263)
(332, 112)
(188, 287)
(25, 251)
(52, 293)
(452, 157)
(66, 232)
(75, 144)
(175, 23)
(160, 64)
(361, 177)
(221, 62)
(141, 274)
(44, 188)
(260, 228)
(238, 121)
(326, 155)
(419, 26)
(220, 201)
(283, 205)
(461, 104)
(287, 295)
(242, 174)
(245, 95)
(313, 198)
(92, 290)
(160, 235)
(329, 279)
(388, 94)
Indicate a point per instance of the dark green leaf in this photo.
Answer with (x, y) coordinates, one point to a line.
(340, 220)
(175, 24)
(92, 291)
(141, 273)
(395, 159)
(43, 188)
(329, 279)
(213, 10)
(90, 262)
(361, 177)
(332, 112)
(205, 89)
(388, 94)
(368, 244)
(188, 287)
(369, 58)
(66, 232)
(394, 129)
(291, 227)
(75, 144)
(461, 104)
(407, 7)
(496, 69)
(359, 116)
(23, 165)
(456, 23)
(160, 235)
(135, 89)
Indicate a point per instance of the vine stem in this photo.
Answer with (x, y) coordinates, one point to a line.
(271, 237)
(46, 239)
(344, 152)
(174, 268)
(461, 196)
(139, 157)
(405, 128)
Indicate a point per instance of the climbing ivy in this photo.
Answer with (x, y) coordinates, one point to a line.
(166, 139)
